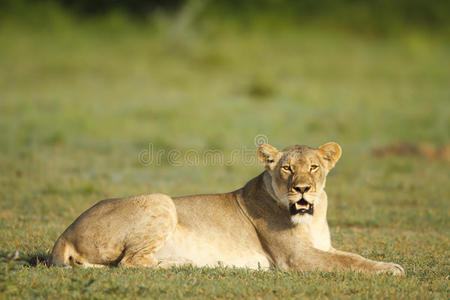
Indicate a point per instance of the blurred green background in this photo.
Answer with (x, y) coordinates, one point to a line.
(87, 86)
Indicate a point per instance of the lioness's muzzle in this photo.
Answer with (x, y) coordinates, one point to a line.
(302, 207)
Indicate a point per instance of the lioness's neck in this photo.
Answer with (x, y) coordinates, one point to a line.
(259, 202)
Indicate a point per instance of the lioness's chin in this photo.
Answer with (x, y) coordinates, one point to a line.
(301, 219)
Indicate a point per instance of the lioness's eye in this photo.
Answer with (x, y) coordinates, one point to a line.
(314, 167)
(287, 168)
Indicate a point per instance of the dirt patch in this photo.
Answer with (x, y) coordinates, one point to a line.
(425, 150)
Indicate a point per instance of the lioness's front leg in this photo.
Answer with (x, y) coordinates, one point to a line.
(335, 260)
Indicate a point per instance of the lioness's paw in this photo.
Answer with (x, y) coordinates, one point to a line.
(394, 269)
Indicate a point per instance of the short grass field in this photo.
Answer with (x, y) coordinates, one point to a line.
(84, 105)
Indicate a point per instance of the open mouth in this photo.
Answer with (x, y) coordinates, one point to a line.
(301, 207)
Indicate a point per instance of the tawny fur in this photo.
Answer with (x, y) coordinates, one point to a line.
(251, 227)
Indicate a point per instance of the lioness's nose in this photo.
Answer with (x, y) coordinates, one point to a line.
(302, 189)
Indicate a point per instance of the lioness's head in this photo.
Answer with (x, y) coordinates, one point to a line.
(298, 175)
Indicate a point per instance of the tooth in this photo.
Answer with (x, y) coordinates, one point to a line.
(297, 206)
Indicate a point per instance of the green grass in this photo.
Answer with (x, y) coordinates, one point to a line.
(80, 101)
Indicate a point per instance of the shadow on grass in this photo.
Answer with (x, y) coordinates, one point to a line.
(39, 260)
(27, 260)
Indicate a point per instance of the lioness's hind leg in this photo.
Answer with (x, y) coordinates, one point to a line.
(151, 231)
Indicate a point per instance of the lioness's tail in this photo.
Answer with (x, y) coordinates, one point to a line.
(62, 254)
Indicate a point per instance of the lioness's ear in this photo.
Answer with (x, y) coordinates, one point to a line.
(331, 152)
(268, 155)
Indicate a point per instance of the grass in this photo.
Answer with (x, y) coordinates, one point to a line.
(79, 102)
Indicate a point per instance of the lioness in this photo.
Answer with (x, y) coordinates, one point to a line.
(278, 219)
